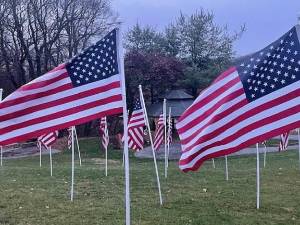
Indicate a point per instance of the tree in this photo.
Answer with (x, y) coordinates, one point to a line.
(144, 39)
(37, 35)
(155, 72)
(200, 45)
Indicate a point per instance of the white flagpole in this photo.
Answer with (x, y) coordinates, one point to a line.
(1, 148)
(257, 178)
(165, 135)
(169, 135)
(125, 124)
(151, 141)
(226, 167)
(265, 155)
(72, 176)
(50, 154)
(298, 131)
(213, 163)
(105, 130)
(77, 142)
(40, 147)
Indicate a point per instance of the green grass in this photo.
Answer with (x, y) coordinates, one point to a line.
(30, 196)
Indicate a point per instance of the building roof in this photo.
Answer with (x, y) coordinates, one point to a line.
(177, 94)
(177, 100)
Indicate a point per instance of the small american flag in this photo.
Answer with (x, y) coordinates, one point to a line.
(264, 143)
(255, 100)
(70, 137)
(159, 132)
(86, 88)
(284, 141)
(104, 132)
(170, 127)
(48, 140)
(136, 127)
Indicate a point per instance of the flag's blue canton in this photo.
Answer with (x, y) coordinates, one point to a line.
(137, 104)
(96, 63)
(272, 68)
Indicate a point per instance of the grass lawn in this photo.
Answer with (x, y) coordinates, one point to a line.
(30, 196)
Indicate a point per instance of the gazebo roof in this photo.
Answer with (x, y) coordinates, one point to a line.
(178, 100)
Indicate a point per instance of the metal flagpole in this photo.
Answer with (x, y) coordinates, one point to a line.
(40, 147)
(72, 177)
(105, 130)
(77, 142)
(213, 163)
(125, 124)
(169, 135)
(257, 178)
(1, 148)
(226, 167)
(50, 154)
(165, 135)
(265, 155)
(151, 141)
(298, 131)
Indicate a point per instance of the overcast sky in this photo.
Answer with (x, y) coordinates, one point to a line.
(265, 20)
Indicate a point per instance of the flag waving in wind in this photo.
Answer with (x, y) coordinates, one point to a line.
(48, 139)
(104, 132)
(85, 88)
(255, 100)
(159, 132)
(136, 126)
(284, 141)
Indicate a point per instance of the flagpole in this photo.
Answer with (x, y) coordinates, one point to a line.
(257, 178)
(151, 141)
(40, 147)
(72, 176)
(298, 131)
(1, 148)
(165, 135)
(50, 154)
(265, 155)
(77, 142)
(105, 131)
(125, 124)
(169, 135)
(226, 167)
(213, 163)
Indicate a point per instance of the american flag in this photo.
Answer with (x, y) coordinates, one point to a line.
(284, 141)
(70, 137)
(104, 132)
(136, 127)
(249, 103)
(85, 88)
(48, 139)
(170, 126)
(264, 143)
(159, 132)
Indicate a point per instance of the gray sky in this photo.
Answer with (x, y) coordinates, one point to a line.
(266, 20)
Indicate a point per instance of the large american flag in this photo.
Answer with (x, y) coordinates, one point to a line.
(104, 132)
(48, 140)
(159, 132)
(136, 126)
(257, 99)
(284, 141)
(85, 88)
